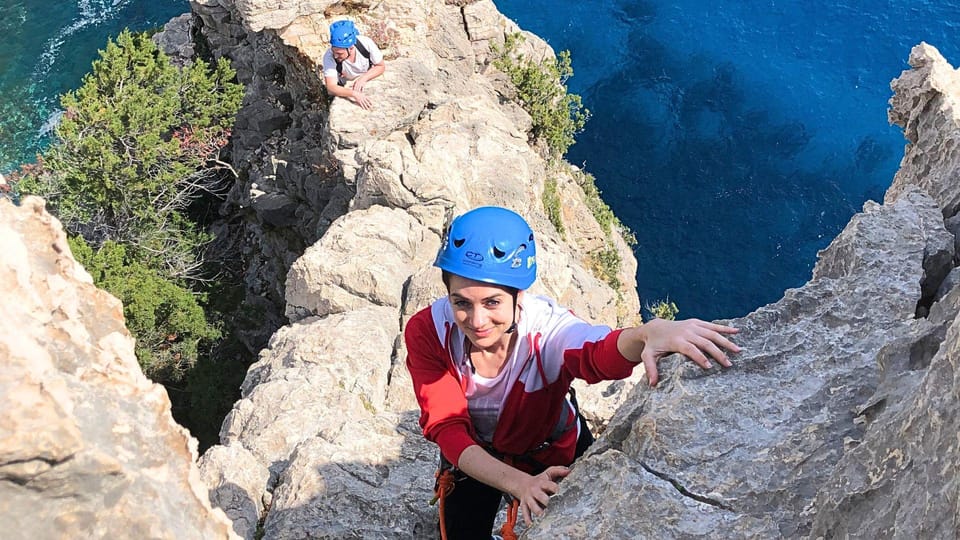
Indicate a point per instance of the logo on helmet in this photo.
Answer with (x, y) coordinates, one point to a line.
(517, 262)
(474, 256)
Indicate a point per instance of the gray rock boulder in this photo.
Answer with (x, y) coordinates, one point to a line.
(743, 452)
(88, 447)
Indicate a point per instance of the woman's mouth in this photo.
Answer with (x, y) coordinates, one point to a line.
(483, 333)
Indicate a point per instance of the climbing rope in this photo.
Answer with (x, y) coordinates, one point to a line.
(506, 531)
(443, 487)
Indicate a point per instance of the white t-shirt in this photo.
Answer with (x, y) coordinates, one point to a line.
(360, 65)
(485, 399)
(485, 395)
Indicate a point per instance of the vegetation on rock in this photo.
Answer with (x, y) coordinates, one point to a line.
(135, 148)
(557, 117)
(553, 205)
(542, 91)
(166, 318)
(663, 309)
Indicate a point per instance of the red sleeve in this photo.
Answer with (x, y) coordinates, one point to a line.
(443, 407)
(598, 360)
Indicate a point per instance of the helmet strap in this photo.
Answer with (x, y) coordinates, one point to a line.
(513, 326)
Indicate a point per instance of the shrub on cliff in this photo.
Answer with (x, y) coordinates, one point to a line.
(137, 144)
(165, 317)
(542, 90)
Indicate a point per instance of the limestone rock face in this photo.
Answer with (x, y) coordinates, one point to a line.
(176, 41)
(327, 279)
(442, 135)
(316, 416)
(925, 105)
(900, 480)
(743, 452)
(343, 210)
(88, 448)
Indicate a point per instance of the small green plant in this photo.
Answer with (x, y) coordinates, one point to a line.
(607, 263)
(541, 89)
(552, 204)
(601, 211)
(367, 404)
(663, 309)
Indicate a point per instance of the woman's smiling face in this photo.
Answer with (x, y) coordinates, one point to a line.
(482, 311)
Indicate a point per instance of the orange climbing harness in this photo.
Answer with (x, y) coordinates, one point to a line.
(444, 486)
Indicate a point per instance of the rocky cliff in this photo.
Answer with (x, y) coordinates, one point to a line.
(809, 435)
(840, 418)
(88, 448)
(780, 446)
(443, 136)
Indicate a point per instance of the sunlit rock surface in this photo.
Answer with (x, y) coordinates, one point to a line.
(839, 418)
(88, 448)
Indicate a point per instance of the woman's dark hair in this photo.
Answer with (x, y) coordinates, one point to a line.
(445, 276)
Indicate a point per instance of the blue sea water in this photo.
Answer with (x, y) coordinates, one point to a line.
(734, 138)
(47, 47)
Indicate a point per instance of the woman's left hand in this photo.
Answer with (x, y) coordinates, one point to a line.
(693, 338)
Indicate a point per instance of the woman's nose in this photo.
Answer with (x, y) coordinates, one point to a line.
(477, 318)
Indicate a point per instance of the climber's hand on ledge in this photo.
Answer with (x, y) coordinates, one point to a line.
(360, 99)
(696, 339)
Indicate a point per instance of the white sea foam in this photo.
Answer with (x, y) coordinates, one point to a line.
(50, 123)
(90, 13)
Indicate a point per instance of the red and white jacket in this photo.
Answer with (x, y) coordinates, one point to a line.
(554, 347)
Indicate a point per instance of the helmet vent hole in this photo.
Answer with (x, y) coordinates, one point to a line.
(497, 253)
(458, 242)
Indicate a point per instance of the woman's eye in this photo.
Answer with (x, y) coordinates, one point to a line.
(492, 303)
(463, 304)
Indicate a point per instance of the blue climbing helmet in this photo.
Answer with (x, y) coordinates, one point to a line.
(492, 245)
(343, 34)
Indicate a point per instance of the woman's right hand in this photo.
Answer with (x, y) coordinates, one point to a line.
(534, 493)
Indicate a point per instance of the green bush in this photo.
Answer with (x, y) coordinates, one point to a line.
(541, 88)
(136, 158)
(607, 263)
(166, 319)
(663, 309)
(553, 205)
(601, 211)
(138, 143)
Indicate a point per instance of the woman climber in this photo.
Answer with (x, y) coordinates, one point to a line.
(492, 365)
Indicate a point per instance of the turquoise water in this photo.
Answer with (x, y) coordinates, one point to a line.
(736, 138)
(47, 48)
